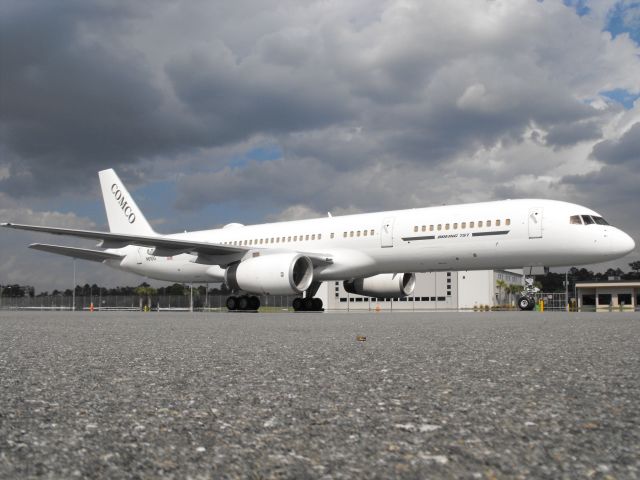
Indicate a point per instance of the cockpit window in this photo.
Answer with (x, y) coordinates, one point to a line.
(575, 220)
(587, 219)
(599, 220)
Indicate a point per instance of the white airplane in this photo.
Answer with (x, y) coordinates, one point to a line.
(375, 254)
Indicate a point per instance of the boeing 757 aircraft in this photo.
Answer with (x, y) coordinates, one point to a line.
(375, 254)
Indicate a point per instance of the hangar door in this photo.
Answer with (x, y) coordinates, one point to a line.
(386, 233)
(535, 223)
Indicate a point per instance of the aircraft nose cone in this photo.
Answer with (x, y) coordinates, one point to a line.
(623, 243)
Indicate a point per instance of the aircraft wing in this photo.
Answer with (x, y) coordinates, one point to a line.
(82, 253)
(165, 246)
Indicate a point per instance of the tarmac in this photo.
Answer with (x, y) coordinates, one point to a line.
(216, 395)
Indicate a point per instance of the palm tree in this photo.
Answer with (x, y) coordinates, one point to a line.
(144, 290)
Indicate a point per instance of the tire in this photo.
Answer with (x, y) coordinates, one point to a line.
(243, 303)
(232, 303)
(307, 304)
(317, 304)
(525, 303)
(297, 304)
(254, 303)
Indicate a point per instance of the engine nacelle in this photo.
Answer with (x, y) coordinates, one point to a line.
(384, 285)
(275, 274)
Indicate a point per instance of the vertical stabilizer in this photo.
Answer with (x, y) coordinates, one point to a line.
(123, 214)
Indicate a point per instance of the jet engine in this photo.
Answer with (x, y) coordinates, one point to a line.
(383, 285)
(275, 274)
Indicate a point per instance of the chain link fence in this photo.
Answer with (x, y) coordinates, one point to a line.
(136, 302)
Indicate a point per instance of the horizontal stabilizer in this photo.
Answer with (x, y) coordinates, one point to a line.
(82, 253)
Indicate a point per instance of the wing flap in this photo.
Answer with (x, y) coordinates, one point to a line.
(82, 253)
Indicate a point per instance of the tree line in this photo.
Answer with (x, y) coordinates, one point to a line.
(552, 282)
(94, 290)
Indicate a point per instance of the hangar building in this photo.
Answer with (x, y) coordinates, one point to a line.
(433, 291)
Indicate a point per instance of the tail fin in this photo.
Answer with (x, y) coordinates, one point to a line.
(123, 214)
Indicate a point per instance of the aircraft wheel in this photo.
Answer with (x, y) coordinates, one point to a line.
(232, 303)
(525, 303)
(297, 304)
(307, 304)
(317, 304)
(254, 303)
(243, 303)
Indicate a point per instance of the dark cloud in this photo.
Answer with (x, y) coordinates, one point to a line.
(624, 150)
(561, 135)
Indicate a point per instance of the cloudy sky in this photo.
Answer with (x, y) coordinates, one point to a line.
(247, 111)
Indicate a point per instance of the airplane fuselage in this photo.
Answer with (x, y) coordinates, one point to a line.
(500, 234)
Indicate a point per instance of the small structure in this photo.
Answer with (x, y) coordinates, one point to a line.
(608, 296)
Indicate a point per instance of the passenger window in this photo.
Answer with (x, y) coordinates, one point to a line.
(358, 233)
(295, 238)
(313, 237)
(455, 226)
(415, 229)
(364, 233)
(463, 225)
(431, 228)
(439, 226)
(351, 233)
(424, 228)
(277, 239)
(497, 223)
(319, 236)
(332, 235)
(507, 221)
(488, 223)
(446, 227)
(587, 219)
(306, 237)
(372, 232)
(344, 234)
(480, 224)
(575, 220)
(471, 224)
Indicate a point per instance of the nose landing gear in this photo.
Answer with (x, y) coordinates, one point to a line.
(527, 300)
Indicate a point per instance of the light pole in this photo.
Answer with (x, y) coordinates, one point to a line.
(73, 290)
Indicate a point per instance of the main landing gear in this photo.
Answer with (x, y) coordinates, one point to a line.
(245, 302)
(309, 303)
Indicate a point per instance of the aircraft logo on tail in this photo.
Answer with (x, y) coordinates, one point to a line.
(124, 205)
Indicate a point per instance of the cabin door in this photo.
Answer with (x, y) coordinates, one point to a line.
(535, 223)
(386, 233)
